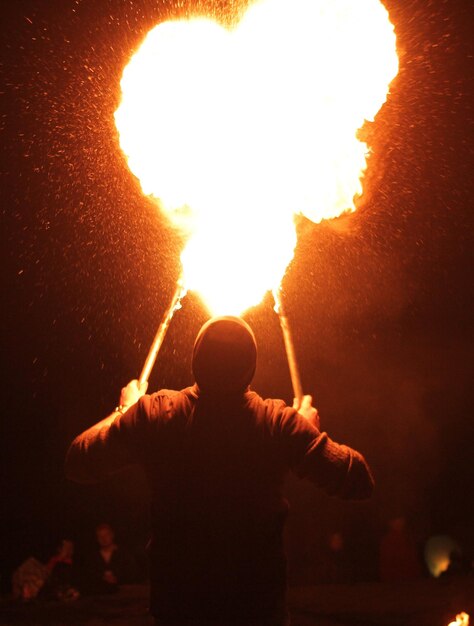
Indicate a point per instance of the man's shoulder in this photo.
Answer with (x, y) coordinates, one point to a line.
(187, 392)
(272, 407)
(163, 401)
(270, 401)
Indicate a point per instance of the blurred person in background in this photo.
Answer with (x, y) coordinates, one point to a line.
(110, 565)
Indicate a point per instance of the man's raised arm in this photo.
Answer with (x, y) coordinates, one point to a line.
(100, 450)
(336, 468)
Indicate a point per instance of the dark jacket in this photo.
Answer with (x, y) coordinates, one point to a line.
(216, 469)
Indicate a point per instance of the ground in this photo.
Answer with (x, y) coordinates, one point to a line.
(422, 603)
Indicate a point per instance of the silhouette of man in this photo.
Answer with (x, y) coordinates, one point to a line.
(216, 455)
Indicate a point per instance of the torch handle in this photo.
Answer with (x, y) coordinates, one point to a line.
(161, 332)
(290, 349)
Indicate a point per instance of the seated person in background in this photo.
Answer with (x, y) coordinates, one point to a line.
(62, 574)
(111, 565)
(29, 579)
(55, 580)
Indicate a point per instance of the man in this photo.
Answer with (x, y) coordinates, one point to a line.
(110, 565)
(216, 455)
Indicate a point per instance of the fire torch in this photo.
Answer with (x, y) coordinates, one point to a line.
(290, 349)
(175, 304)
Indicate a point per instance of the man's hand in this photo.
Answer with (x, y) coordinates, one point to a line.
(307, 410)
(109, 577)
(132, 392)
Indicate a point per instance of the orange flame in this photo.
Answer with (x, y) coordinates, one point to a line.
(462, 619)
(237, 131)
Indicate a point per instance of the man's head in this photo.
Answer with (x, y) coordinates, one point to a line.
(225, 355)
(105, 535)
(66, 549)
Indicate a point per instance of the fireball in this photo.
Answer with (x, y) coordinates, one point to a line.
(236, 131)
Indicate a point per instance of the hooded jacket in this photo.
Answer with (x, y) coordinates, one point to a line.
(224, 356)
(216, 455)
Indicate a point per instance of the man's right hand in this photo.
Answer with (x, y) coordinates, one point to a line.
(307, 410)
(132, 392)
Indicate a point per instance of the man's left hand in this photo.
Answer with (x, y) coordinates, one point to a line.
(307, 410)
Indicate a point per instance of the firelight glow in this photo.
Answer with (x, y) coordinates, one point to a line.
(461, 620)
(234, 132)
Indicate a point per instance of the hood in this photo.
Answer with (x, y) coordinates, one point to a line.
(225, 355)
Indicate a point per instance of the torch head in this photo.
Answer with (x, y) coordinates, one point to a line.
(224, 356)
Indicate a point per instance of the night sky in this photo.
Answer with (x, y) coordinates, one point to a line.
(380, 302)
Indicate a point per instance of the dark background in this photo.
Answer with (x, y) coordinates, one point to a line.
(380, 302)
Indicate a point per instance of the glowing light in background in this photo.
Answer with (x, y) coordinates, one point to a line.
(438, 551)
(237, 131)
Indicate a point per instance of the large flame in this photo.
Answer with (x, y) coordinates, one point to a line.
(236, 131)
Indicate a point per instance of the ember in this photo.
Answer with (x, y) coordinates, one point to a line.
(237, 131)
